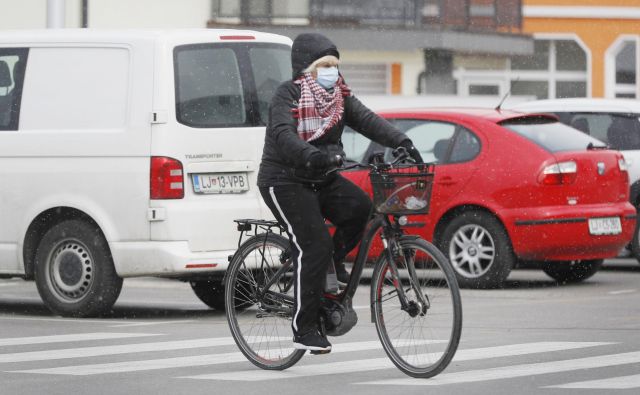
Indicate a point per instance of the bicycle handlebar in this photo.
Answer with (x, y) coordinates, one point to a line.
(399, 153)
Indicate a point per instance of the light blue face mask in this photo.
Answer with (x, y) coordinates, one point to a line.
(327, 76)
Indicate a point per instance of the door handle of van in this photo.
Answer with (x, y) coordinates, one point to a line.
(447, 181)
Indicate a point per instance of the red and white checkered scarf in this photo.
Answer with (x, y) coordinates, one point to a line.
(318, 109)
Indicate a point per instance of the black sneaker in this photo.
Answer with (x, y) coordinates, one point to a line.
(312, 341)
(342, 274)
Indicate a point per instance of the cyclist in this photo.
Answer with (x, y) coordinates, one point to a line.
(306, 118)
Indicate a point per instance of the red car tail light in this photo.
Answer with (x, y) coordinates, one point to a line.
(559, 173)
(167, 178)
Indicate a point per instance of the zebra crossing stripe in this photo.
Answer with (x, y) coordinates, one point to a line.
(113, 350)
(364, 365)
(19, 341)
(613, 383)
(508, 372)
(180, 362)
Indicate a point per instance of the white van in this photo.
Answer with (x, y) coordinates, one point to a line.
(129, 153)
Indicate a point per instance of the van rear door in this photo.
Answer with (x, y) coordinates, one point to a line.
(216, 131)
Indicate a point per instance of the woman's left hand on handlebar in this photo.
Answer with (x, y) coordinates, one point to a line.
(413, 152)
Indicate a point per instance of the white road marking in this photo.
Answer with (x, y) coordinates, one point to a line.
(178, 362)
(623, 291)
(508, 372)
(108, 322)
(135, 366)
(613, 383)
(148, 323)
(113, 350)
(82, 320)
(17, 341)
(364, 365)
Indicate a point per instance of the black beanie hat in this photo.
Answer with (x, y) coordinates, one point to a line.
(307, 48)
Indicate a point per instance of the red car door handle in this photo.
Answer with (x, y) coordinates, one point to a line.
(447, 181)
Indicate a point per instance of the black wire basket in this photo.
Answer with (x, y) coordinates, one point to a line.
(402, 189)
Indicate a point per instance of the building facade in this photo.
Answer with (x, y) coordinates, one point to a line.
(394, 46)
(535, 48)
(583, 48)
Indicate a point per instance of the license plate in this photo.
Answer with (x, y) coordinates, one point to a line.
(220, 183)
(605, 226)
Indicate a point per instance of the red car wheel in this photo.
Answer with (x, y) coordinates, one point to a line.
(479, 249)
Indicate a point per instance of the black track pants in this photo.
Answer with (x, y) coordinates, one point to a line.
(302, 209)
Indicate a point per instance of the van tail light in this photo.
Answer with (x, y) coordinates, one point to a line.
(559, 173)
(167, 178)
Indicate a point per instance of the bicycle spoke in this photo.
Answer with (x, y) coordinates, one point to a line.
(261, 320)
(421, 338)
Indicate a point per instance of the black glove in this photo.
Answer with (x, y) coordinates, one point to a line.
(411, 150)
(320, 161)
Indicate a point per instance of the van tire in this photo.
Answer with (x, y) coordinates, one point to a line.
(463, 251)
(74, 270)
(210, 292)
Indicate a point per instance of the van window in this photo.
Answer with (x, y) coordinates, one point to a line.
(270, 67)
(13, 63)
(209, 91)
(551, 135)
(227, 85)
(76, 88)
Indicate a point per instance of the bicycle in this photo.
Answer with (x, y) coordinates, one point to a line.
(414, 292)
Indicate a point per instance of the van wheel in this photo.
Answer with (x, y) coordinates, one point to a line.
(210, 292)
(479, 250)
(572, 271)
(74, 270)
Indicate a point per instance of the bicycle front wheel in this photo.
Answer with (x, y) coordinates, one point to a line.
(259, 301)
(421, 338)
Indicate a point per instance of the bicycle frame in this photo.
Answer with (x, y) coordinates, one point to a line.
(390, 237)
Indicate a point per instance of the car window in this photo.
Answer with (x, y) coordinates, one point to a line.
(551, 135)
(431, 138)
(355, 145)
(619, 131)
(465, 147)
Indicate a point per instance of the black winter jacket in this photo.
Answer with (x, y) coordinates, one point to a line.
(285, 155)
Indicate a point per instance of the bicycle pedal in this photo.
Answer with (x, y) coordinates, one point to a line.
(319, 352)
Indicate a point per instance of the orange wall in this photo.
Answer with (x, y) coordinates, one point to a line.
(597, 34)
(592, 3)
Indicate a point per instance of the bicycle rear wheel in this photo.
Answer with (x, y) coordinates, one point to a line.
(422, 339)
(259, 302)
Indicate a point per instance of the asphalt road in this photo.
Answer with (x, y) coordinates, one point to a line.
(532, 337)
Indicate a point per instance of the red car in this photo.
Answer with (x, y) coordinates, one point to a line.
(513, 189)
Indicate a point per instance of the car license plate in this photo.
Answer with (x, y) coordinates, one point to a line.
(220, 183)
(605, 226)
